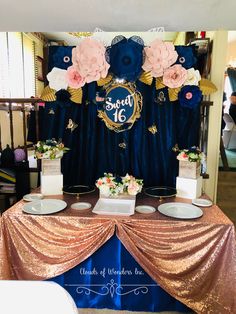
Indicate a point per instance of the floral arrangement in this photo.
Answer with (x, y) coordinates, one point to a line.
(193, 155)
(127, 59)
(50, 149)
(110, 185)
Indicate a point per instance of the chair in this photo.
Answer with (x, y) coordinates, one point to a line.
(35, 297)
(229, 132)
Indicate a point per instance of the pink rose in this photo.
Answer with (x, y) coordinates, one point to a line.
(133, 187)
(159, 56)
(75, 80)
(175, 76)
(89, 60)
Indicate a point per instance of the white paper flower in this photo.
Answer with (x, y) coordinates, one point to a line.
(57, 79)
(193, 77)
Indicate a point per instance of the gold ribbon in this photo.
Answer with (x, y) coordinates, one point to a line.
(146, 78)
(104, 81)
(207, 87)
(159, 83)
(76, 94)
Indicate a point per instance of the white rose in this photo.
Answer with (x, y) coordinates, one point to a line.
(193, 77)
(57, 79)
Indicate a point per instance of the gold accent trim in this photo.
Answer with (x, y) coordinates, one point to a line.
(104, 81)
(119, 127)
(173, 93)
(48, 94)
(159, 83)
(146, 78)
(207, 87)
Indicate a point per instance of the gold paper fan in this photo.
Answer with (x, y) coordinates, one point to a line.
(104, 81)
(146, 78)
(48, 94)
(159, 83)
(76, 94)
(207, 87)
(173, 93)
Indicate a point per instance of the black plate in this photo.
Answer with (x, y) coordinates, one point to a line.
(160, 191)
(78, 189)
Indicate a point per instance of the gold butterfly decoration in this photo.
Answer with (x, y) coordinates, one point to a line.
(71, 125)
(122, 145)
(161, 97)
(153, 129)
(51, 111)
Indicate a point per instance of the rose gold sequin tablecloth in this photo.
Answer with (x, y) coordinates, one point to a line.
(193, 260)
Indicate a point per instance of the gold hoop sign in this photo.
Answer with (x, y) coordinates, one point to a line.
(122, 106)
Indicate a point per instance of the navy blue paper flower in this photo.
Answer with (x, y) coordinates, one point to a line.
(59, 57)
(190, 96)
(126, 57)
(186, 56)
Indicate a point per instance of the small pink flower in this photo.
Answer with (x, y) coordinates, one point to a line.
(89, 59)
(99, 182)
(75, 80)
(189, 95)
(175, 76)
(159, 56)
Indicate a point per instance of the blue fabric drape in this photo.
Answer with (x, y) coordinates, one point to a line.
(117, 282)
(94, 149)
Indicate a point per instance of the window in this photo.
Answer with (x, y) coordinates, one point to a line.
(17, 65)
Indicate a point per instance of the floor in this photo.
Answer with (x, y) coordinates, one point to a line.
(226, 191)
(105, 311)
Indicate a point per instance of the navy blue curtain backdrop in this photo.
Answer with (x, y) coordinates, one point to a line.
(94, 149)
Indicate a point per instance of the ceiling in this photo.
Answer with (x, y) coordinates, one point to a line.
(121, 15)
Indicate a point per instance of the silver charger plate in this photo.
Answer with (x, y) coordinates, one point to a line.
(160, 191)
(32, 197)
(81, 205)
(145, 209)
(44, 207)
(180, 210)
(202, 202)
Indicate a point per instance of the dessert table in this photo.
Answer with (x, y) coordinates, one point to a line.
(192, 260)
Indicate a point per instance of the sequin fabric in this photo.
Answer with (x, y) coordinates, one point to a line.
(193, 260)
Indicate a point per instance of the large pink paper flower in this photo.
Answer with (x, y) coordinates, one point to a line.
(89, 60)
(175, 76)
(75, 80)
(159, 56)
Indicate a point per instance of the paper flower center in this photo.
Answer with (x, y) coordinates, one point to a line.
(66, 59)
(126, 60)
(189, 95)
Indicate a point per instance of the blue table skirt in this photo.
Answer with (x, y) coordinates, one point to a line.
(111, 278)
